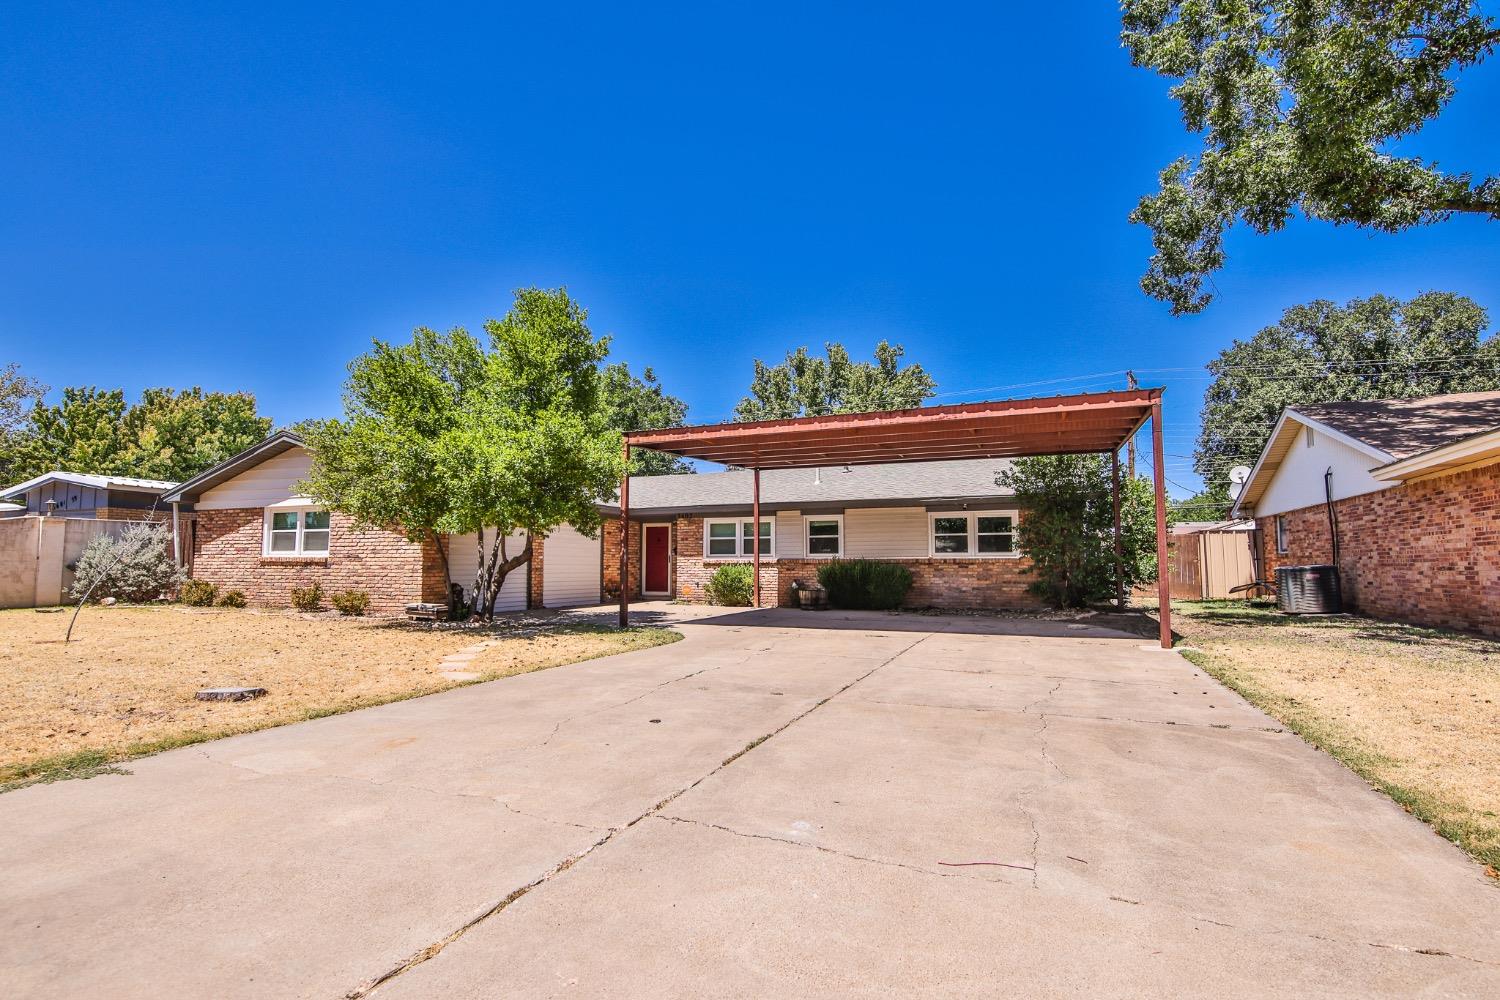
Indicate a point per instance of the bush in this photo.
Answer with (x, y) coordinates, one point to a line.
(731, 585)
(232, 599)
(137, 566)
(308, 598)
(197, 593)
(865, 584)
(351, 602)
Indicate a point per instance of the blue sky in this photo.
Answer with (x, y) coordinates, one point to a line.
(243, 198)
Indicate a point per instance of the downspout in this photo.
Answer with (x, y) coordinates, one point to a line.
(1333, 517)
(176, 535)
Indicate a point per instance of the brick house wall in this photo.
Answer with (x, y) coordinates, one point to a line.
(937, 583)
(393, 571)
(132, 514)
(1425, 552)
(611, 550)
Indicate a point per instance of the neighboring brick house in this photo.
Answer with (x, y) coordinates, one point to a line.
(82, 495)
(1414, 487)
(946, 521)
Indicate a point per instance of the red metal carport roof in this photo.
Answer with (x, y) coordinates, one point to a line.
(1050, 425)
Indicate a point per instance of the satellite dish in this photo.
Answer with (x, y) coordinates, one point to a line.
(1237, 477)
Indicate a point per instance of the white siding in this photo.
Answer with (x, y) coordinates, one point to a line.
(789, 540)
(570, 569)
(1299, 480)
(463, 562)
(267, 483)
(885, 533)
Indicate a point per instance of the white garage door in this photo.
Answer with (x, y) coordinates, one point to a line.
(463, 560)
(570, 569)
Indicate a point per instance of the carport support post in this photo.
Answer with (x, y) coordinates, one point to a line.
(625, 540)
(1114, 495)
(1159, 475)
(755, 516)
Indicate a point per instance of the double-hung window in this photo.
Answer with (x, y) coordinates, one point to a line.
(1283, 539)
(825, 535)
(982, 533)
(734, 538)
(300, 532)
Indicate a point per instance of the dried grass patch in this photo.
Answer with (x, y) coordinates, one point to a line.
(1414, 711)
(125, 685)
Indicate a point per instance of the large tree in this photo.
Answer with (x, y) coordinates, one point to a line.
(633, 404)
(19, 394)
(167, 434)
(1067, 527)
(805, 385)
(1300, 106)
(1375, 348)
(447, 435)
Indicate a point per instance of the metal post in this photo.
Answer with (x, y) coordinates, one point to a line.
(1114, 461)
(1159, 474)
(755, 516)
(176, 535)
(625, 541)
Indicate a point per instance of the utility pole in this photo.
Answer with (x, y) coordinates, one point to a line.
(1130, 383)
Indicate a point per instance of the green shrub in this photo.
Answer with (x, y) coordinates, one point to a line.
(232, 599)
(197, 593)
(351, 602)
(137, 566)
(308, 598)
(865, 583)
(731, 585)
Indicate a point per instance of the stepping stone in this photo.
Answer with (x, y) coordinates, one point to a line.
(459, 675)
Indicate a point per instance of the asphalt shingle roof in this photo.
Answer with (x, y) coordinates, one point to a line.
(788, 488)
(1406, 427)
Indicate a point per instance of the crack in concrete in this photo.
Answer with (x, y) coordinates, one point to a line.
(1080, 718)
(1025, 794)
(884, 862)
(432, 950)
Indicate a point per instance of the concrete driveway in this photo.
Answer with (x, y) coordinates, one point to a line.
(874, 806)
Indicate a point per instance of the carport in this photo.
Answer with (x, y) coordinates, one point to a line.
(1088, 423)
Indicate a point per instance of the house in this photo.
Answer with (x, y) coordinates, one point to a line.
(948, 521)
(76, 494)
(1402, 495)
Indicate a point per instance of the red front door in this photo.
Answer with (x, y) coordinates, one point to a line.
(658, 545)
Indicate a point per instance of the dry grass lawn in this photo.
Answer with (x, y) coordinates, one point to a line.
(124, 686)
(1414, 711)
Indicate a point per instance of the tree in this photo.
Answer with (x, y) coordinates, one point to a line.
(176, 435)
(807, 386)
(446, 436)
(633, 404)
(1299, 105)
(1375, 348)
(1067, 527)
(167, 434)
(18, 395)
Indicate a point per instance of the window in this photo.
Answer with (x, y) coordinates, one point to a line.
(1282, 536)
(994, 535)
(984, 534)
(825, 535)
(727, 539)
(296, 533)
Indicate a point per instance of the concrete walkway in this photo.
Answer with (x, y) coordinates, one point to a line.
(876, 806)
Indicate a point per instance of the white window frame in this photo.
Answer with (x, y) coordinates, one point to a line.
(742, 549)
(807, 551)
(972, 518)
(1283, 536)
(299, 552)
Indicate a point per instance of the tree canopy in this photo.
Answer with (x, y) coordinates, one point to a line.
(447, 435)
(634, 404)
(1067, 527)
(167, 434)
(1300, 106)
(806, 386)
(1375, 348)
